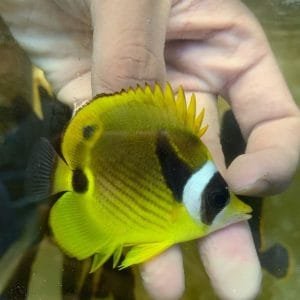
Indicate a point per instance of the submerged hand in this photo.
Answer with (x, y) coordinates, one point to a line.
(210, 47)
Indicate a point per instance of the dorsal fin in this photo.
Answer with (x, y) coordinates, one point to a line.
(175, 105)
(145, 108)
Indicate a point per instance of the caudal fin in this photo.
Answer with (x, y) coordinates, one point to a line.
(275, 260)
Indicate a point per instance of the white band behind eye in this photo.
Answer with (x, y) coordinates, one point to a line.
(194, 187)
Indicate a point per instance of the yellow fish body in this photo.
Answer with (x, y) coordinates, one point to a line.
(134, 174)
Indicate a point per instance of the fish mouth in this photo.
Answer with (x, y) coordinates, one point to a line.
(240, 218)
(233, 220)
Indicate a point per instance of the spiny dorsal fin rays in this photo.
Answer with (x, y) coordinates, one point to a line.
(199, 120)
(169, 98)
(148, 92)
(165, 99)
(159, 97)
(191, 112)
(202, 130)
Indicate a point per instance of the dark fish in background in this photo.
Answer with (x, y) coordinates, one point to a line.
(24, 118)
(276, 258)
(7, 215)
(15, 148)
(16, 208)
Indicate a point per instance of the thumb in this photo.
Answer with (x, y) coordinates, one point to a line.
(128, 53)
(270, 160)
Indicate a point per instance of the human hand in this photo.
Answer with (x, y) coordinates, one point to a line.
(210, 47)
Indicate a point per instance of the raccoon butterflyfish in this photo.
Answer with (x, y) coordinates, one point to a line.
(133, 173)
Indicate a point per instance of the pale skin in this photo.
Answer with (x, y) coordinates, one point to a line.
(210, 47)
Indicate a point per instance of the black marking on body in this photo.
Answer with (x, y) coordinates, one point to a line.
(79, 181)
(215, 197)
(88, 131)
(175, 171)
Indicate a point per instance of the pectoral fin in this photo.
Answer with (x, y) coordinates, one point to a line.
(141, 253)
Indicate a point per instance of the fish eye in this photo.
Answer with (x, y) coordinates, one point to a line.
(218, 199)
(215, 197)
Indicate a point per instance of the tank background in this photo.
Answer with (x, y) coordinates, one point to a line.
(280, 19)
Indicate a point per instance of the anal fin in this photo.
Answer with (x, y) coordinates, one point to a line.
(143, 252)
(117, 256)
(101, 257)
(98, 260)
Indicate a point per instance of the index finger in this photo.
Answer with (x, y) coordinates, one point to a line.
(270, 122)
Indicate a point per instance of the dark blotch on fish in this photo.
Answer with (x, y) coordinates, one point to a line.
(175, 171)
(214, 198)
(79, 181)
(88, 131)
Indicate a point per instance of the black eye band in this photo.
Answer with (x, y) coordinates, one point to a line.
(215, 197)
(175, 171)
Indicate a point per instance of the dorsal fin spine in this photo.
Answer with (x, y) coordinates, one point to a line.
(191, 112)
(169, 98)
(199, 120)
(158, 96)
(202, 130)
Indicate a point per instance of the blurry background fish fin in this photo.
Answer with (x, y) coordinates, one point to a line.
(140, 253)
(39, 80)
(39, 170)
(275, 260)
(232, 141)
